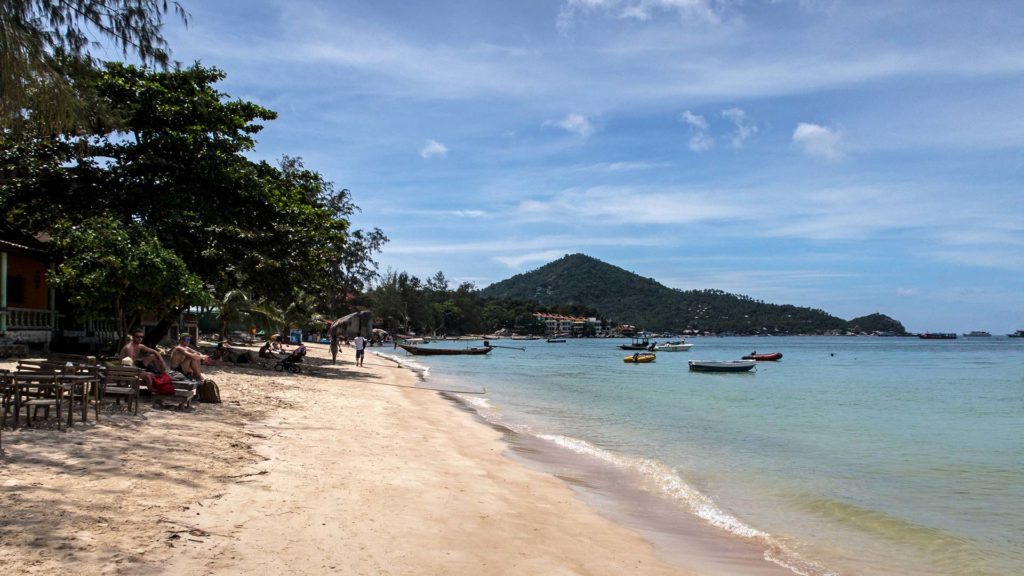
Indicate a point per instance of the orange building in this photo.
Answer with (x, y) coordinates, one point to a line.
(26, 303)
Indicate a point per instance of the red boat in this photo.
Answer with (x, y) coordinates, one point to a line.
(772, 356)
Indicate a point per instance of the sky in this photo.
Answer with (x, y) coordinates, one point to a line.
(853, 156)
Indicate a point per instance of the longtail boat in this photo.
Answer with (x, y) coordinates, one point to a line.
(722, 365)
(772, 356)
(437, 351)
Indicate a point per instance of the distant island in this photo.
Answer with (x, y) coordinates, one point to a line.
(627, 298)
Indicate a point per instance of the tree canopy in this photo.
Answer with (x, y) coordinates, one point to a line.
(163, 161)
(36, 35)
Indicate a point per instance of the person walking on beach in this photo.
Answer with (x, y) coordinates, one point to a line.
(360, 343)
(334, 349)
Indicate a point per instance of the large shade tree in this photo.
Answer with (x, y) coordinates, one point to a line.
(166, 151)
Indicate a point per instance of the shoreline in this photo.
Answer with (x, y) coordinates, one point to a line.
(618, 492)
(339, 470)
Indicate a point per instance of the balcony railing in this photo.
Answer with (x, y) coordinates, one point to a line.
(27, 319)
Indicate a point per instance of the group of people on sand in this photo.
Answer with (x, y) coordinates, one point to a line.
(189, 361)
(360, 344)
(184, 358)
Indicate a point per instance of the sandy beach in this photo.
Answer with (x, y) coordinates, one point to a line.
(338, 470)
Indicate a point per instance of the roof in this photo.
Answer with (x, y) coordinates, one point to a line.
(8, 245)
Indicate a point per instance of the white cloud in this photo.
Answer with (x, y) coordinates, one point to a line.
(621, 166)
(699, 11)
(516, 262)
(605, 204)
(744, 129)
(433, 149)
(694, 120)
(819, 141)
(701, 138)
(907, 292)
(576, 123)
(468, 213)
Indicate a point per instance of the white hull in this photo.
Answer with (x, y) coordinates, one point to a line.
(673, 347)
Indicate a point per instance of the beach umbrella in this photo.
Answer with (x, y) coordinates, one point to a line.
(354, 324)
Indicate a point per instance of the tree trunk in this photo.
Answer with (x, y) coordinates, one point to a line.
(162, 328)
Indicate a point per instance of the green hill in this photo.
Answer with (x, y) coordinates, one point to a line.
(626, 298)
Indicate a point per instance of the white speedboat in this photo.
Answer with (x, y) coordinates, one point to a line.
(677, 346)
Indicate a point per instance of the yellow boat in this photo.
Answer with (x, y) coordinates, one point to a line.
(639, 358)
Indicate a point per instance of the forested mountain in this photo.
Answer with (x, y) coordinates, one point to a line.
(624, 297)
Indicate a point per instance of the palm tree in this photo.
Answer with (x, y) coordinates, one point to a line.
(237, 306)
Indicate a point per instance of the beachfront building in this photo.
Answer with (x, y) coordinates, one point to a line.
(569, 325)
(32, 313)
(27, 314)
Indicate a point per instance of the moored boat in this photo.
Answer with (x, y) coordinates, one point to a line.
(1017, 334)
(977, 334)
(722, 365)
(937, 336)
(437, 351)
(767, 357)
(675, 346)
(636, 344)
(556, 340)
(639, 358)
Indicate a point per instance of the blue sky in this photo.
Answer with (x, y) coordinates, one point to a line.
(857, 157)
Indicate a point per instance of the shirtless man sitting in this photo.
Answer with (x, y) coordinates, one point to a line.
(186, 360)
(143, 356)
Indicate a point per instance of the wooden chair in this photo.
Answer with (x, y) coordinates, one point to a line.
(35, 390)
(6, 400)
(122, 382)
(33, 366)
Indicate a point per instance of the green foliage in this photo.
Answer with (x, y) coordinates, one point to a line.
(877, 323)
(402, 303)
(166, 153)
(631, 299)
(36, 36)
(112, 269)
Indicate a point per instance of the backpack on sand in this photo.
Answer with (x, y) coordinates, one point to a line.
(208, 392)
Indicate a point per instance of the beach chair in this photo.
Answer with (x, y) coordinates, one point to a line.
(35, 390)
(122, 382)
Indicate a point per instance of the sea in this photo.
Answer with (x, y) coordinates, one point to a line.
(850, 455)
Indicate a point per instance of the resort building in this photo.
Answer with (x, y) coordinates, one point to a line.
(569, 325)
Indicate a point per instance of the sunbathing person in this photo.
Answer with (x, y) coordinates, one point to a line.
(265, 351)
(186, 360)
(234, 355)
(143, 356)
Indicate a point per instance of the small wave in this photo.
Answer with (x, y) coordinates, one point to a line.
(423, 372)
(668, 482)
(479, 403)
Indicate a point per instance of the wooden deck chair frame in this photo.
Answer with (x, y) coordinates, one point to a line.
(122, 382)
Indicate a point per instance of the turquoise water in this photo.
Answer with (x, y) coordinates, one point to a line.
(849, 456)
